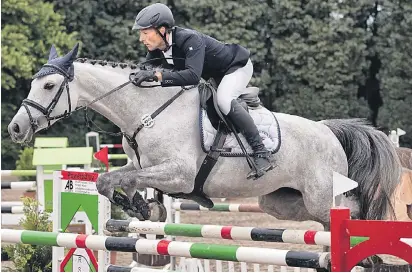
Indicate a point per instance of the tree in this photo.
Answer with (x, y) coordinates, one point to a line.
(29, 28)
(242, 22)
(365, 15)
(394, 47)
(104, 27)
(319, 57)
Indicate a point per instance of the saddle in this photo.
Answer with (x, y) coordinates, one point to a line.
(220, 138)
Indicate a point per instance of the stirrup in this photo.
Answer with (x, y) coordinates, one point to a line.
(261, 171)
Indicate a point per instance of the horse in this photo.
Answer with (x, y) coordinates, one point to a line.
(169, 148)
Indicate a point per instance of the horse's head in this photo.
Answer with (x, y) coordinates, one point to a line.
(49, 98)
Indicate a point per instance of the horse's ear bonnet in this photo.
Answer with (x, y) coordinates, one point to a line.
(61, 65)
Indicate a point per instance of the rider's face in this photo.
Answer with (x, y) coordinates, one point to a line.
(151, 39)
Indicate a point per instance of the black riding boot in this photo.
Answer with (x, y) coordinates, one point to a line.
(245, 124)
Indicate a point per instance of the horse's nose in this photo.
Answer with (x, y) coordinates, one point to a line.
(19, 128)
(15, 128)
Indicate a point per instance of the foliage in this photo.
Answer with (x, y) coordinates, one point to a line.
(319, 59)
(316, 59)
(25, 161)
(29, 28)
(394, 46)
(244, 22)
(31, 258)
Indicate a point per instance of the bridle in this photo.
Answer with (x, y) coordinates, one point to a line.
(46, 111)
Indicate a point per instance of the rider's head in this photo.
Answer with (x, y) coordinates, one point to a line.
(153, 23)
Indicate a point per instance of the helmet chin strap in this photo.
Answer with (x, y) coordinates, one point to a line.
(164, 39)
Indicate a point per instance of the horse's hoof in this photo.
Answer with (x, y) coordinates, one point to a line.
(138, 209)
(140, 206)
(136, 214)
(370, 261)
(158, 211)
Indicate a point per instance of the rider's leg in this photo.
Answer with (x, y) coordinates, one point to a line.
(229, 90)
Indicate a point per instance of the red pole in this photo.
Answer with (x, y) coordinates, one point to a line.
(340, 239)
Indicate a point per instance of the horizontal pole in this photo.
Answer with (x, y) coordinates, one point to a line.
(179, 206)
(18, 185)
(8, 173)
(171, 248)
(117, 156)
(308, 237)
(12, 203)
(12, 209)
(117, 268)
(9, 219)
(111, 146)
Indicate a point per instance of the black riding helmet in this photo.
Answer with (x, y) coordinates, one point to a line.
(155, 16)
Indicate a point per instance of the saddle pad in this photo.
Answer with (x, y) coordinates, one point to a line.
(265, 121)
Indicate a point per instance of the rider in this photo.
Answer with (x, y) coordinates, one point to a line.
(203, 56)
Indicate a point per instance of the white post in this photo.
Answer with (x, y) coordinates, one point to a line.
(87, 168)
(57, 252)
(40, 187)
(104, 215)
(94, 143)
(167, 202)
(395, 134)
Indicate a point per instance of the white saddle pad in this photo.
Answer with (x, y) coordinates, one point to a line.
(265, 121)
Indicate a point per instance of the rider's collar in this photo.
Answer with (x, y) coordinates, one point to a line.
(170, 42)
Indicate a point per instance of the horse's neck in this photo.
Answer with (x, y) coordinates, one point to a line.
(124, 107)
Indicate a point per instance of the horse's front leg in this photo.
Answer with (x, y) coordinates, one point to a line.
(171, 176)
(107, 182)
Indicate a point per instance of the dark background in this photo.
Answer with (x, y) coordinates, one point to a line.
(317, 59)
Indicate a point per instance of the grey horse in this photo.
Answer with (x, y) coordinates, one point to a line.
(299, 188)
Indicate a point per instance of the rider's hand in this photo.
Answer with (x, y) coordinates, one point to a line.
(143, 76)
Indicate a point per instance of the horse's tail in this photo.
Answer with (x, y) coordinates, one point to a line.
(373, 163)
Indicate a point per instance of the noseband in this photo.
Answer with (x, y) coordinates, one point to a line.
(46, 111)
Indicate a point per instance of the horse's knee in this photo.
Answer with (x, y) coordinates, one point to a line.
(104, 186)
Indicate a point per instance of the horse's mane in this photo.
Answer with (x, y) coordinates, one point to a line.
(109, 63)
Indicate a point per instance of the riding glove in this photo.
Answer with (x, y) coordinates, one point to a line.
(143, 76)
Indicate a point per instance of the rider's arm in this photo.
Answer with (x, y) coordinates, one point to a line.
(194, 48)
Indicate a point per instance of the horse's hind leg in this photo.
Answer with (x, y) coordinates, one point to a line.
(286, 204)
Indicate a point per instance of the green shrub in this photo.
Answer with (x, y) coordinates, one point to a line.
(25, 162)
(31, 258)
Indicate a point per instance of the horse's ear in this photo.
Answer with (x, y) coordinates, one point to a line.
(53, 53)
(72, 55)
(74, 52)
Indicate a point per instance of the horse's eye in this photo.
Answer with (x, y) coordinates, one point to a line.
(48, 86)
